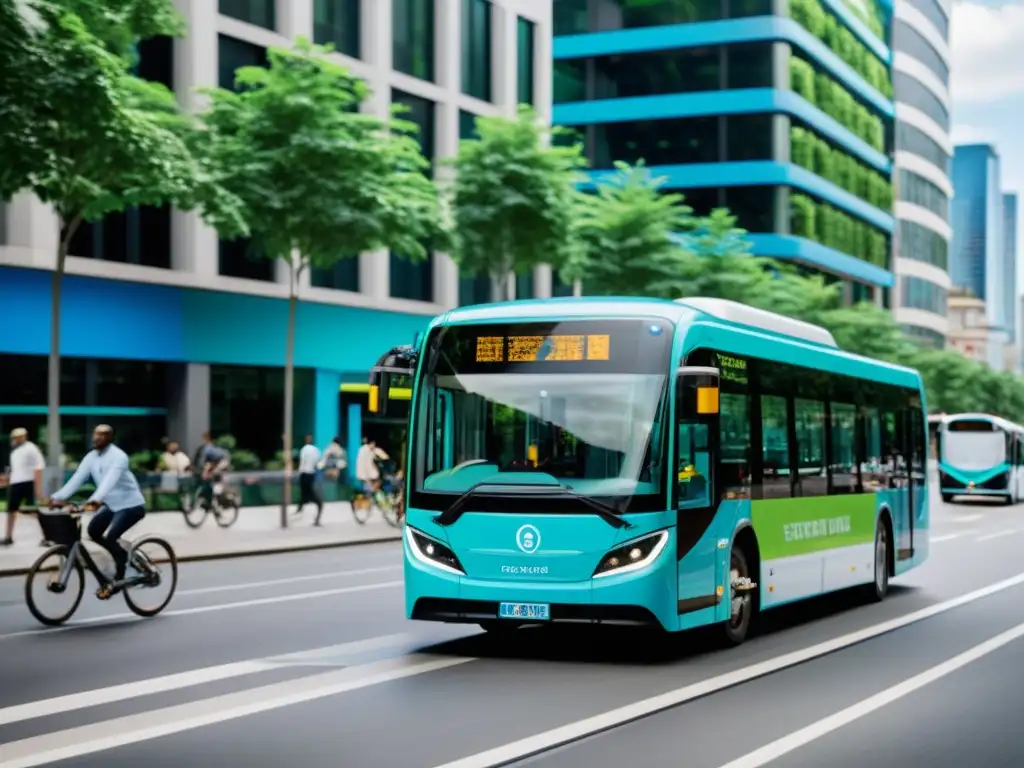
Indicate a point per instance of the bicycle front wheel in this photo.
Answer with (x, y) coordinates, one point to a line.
(157, 567)
(195, 511)
(44, 576)
(226, 512)
(389, 508)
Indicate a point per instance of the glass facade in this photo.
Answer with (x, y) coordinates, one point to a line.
(413, 50)
(922, 294)
(525, 51)
(977, 254)
(919, 191)
(248, 403)
(477, 24)
(337, 22)
(343, 276)
(573, 17)
(415, 280)
(914, 94)
(1009, 286)
(917, 142)
(908, 40)
(923, 244)
(932, 10)
(926, 337)
(258, 12)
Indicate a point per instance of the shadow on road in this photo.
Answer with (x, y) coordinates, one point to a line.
(628, 646)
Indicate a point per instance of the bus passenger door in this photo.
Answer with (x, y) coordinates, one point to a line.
(695, 495)
(896, 436)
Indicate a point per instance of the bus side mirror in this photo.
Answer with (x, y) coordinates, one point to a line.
(697, 392)
(398, 362)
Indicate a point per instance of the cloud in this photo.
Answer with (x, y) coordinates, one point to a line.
(987, 45)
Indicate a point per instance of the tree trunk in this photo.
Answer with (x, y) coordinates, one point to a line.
(289, 391)
(54, 445)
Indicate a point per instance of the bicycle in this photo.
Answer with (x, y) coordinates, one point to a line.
(64, 529)
(389, 498)
(223, 506)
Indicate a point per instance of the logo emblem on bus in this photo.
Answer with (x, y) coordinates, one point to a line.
(528, 539)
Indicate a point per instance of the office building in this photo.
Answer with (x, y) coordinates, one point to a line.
(1010, 292)
(168, 331)
(782, 112)
(978, 259)
(921, 60)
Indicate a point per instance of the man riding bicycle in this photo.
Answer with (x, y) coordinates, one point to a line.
(215, 461)
(117, 500)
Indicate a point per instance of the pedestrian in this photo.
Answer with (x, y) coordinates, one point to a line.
(25, 482)
(309, 459)
(173, 459)
(335, 459)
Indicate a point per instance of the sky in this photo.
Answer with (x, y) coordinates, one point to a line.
(987, 71)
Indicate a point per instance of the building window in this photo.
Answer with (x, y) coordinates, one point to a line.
(926, 337)
(569, 81)
(560, 288)
(916, 293)
(524, 286)
(343, 276)
(242, 257)
(911, 92)
(136, 235)
(752, 206)
(570, 17)
(247, 403)
(908, 40)
(919, 191)
(413, 46)
(467, 125)
(525, 30)
(922, 244)
(338, 22)
(415, 280)
(915, 141)
(258, 12)
(476, 48)
(474, 289)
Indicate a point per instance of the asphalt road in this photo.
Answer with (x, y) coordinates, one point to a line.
(306, 660)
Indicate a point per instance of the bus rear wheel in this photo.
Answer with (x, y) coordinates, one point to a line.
(879, 587)
(735, 629)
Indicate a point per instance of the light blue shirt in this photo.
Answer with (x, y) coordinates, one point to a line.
(116, 486)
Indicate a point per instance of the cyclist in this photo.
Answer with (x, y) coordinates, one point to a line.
(117, 500)
(214, 461)
(368, 469)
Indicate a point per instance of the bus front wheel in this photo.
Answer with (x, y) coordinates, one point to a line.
(735, 629)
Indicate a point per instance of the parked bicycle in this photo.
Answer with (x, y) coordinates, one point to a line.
(60, 570)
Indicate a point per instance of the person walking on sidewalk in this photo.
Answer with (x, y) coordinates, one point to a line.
(309, 458)
(25, 483)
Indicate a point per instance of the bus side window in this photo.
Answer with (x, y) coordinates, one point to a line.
(694, 475)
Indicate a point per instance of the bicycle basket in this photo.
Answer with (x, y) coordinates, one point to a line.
(60, 528)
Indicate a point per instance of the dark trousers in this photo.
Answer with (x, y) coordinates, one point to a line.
(309, 494)
(107, 526)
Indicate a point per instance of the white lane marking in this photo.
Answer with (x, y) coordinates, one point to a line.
(118, 732)
(290, 580)
(967, 518)
(997, 534)
(826, 725)
(194, 677)
(120, 618)
(947, 537)
(531, 745)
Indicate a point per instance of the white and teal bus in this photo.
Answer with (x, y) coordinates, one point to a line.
(636, 461)
(980, 455)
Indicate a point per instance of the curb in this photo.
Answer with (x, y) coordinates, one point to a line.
(278, 550)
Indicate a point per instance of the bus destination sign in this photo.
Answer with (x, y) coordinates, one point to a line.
(541, 349)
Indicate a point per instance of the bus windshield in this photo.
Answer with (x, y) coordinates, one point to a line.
(576, 403)
(973, 445)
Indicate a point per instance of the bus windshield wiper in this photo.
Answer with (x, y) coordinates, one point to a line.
(606, 512)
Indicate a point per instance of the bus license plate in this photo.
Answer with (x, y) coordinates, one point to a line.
(535, 611)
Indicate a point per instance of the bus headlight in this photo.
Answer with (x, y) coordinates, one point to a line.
(432, 552)
(633, 556)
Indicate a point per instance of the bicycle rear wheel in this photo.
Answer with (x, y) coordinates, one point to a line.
(389, 508)
(155, 560)
(362, 507)
(45, 573)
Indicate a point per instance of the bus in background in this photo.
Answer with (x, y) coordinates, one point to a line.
(981, 455)
(640, 461)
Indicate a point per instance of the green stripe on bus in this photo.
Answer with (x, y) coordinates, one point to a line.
(788, 527)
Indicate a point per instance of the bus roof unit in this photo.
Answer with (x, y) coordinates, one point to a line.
(741, 314)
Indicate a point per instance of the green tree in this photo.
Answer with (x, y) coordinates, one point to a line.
(514, 198)
(627, 244)
(319, 180)
(85, 135)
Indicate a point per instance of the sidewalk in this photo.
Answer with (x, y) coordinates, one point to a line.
(257, 531)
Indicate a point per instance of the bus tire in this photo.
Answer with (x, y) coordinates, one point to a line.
(947, 498)
(879, 587)
(734, 630)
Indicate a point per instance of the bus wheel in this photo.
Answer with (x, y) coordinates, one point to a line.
(947, 498)
(734, 631)
(879, 587)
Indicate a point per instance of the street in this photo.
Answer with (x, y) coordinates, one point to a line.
(305, 659)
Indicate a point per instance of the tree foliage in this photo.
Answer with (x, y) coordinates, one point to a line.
(514, 198)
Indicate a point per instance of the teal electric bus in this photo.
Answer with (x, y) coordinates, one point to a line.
(650, 462)
(980, 455)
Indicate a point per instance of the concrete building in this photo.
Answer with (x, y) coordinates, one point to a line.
(921, 61)
(978, 258)
(969, 332)
(739, 103)
(191, 332)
